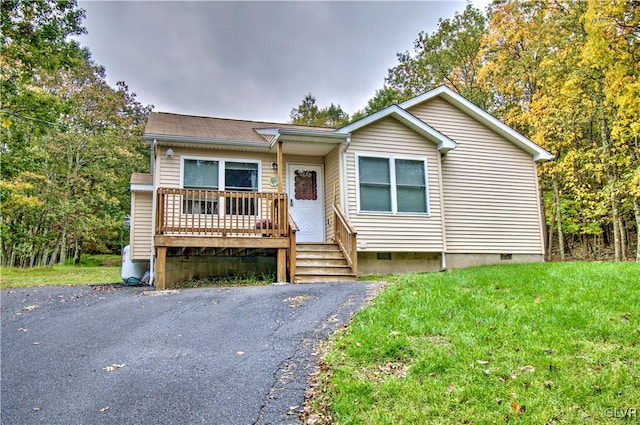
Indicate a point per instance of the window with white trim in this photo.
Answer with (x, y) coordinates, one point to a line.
(218, 174)
(392, 185)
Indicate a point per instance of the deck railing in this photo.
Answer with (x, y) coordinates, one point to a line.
(345, 237)
(221, 213)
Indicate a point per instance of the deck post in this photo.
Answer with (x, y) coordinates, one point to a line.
(282, 265)
(280, 167)
(161, 267)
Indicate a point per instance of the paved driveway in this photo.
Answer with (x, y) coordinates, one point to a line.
(214, 355)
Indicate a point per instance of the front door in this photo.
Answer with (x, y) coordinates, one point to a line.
(306, 201)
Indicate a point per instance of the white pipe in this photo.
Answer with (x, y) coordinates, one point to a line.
(443, 261)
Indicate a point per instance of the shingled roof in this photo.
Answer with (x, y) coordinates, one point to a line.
(162, 123)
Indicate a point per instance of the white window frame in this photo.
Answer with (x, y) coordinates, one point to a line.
(221, 168)
(391, 159)
(221, 173)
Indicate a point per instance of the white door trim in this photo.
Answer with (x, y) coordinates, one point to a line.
(312, 230)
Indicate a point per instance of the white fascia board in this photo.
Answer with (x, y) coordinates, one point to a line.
(141, 187)
(444, 143)
(272, 131)
(312, 133)
(539, 154)
(205, 141)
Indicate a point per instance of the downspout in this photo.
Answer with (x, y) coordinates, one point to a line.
(154, 169)
(443, 255)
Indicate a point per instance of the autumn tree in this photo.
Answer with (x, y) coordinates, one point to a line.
(69, 140)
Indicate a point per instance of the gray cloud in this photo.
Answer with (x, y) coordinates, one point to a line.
(254, 60)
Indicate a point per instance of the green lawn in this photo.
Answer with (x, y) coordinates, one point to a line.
(536, 344)
(92, 270)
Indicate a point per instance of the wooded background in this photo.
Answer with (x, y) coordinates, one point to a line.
(563, 73)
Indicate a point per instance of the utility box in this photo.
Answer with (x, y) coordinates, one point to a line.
(131, 269)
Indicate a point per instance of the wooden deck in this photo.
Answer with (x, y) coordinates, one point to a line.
(194, 218)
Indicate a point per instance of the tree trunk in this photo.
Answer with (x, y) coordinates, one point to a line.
(623, 237)
(636, 210)
(556, 196)
(63, 246)
(615, 212)
(550, 236)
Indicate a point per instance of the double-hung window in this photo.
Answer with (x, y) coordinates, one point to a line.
(200, 174)
(218, 174)
(392, 185)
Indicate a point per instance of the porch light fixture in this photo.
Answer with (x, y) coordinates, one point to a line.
(274, 165)
(169, 153)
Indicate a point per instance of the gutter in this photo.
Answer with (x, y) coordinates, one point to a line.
(205, 141)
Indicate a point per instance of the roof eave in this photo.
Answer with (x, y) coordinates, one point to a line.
(205, 141)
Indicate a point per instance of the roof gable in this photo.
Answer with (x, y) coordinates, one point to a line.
(444, 143)
(480, 115)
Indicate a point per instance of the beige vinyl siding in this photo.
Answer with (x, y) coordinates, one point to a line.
(140, 237)
(331, 181)
(490, 187)
(401, 232)
(170, 167)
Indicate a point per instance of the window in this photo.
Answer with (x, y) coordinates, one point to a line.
(394, 185)
(241, 177)
(200, 174)
(209, 174)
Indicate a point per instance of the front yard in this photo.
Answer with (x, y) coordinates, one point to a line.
(540, 344)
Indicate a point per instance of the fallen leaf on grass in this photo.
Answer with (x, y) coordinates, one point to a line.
(113, 367)
(528, 368)
(482, 361)
(517, 409)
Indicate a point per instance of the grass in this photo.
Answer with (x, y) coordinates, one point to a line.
(93, 269)
(535, 344)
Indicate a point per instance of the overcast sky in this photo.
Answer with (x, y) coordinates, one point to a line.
(255, 60)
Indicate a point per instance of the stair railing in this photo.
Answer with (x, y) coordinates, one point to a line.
(345, 237)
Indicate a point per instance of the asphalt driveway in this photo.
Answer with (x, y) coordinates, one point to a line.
(84, 355)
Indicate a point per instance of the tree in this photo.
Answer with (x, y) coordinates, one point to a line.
(449, 56)
(69, 141)
(308, 113)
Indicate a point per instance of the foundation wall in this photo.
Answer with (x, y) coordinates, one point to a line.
(459, 261)
(397, 262)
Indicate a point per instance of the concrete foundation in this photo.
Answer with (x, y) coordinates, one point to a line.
(397, 262)
(184, 268)
(460, 261)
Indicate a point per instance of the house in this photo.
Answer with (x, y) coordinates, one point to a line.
(430, 184)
